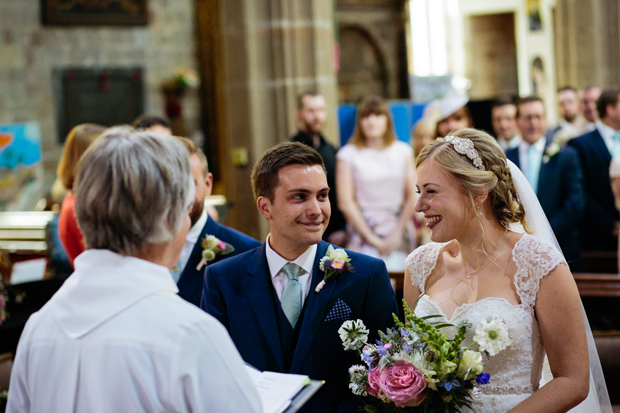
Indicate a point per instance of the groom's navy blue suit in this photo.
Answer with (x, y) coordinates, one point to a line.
(191, 279)
(239, 292)
(561, 195)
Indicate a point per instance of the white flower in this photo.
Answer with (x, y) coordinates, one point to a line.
(359, 377)
(339, 255)
(353, 334)
(471, 362)
(357, 369)
(358, 389)
(334, 255)
(492, 336)
(210, 242)
(445, 368)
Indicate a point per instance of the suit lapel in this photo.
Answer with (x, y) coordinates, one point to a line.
(190, 280)
(542, 174)
(315, 310)
(513, 155)
(259, 289)
(599, 143)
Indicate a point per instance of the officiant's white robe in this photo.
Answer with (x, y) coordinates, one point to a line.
(117, 338)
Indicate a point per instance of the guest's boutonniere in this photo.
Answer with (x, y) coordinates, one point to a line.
(211, 247)
(551, 151)
(333, 263)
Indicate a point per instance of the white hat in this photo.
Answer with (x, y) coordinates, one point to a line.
(442, 108)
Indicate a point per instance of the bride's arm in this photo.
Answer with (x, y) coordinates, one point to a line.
(558, 310)
(411, 292)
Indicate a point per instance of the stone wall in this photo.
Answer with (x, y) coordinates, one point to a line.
(29, 52)
(587, 42)
(372, 49)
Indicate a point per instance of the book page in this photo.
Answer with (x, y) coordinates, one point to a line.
(276, 390)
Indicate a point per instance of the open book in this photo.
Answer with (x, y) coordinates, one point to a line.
(279, 391)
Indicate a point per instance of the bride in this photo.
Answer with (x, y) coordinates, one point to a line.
(480, 268)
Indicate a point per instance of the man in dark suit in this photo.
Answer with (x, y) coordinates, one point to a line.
(599, 228)
(311, 116)
(267, 298)
(189, 272)
(555, 176)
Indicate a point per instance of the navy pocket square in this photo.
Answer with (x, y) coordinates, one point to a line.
(340, 311)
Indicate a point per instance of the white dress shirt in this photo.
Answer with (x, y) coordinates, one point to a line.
(117, 338)
(279, 278)
(191, 239)
(539, 148)
(509, 144)
(607, 133)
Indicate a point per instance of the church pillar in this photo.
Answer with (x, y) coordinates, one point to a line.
(271, 50)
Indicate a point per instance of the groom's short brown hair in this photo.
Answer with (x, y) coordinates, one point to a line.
(265, 172)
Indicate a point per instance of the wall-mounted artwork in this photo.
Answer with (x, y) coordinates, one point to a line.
(106, 96)
(21, 167)
(94, 12)
(533, 14)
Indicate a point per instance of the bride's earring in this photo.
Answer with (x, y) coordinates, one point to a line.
(479, 212)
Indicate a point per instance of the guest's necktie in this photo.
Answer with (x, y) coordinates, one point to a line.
(616, 145)
(176, 272)
(533, 168)
(291, 297)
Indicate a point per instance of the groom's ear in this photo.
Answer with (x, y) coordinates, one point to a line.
(264, 207)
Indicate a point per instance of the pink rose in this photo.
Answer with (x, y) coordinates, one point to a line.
(402, 383)
(373, 382)
(337, 265)
(222, 245)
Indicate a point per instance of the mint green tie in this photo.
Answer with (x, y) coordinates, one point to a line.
(533, 168)
(176, 272)
(291, 297)
(616, 145)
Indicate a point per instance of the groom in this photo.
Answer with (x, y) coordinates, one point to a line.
(267, 297)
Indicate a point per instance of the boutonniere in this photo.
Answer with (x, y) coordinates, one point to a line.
(334, 262)
(551, 151)
(211, 247)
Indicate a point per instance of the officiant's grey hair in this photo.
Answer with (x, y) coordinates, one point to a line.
(132, 189)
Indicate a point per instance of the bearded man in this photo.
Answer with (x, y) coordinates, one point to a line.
(189, 272)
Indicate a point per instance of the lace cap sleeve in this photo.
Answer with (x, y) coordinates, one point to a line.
(421, 263)
(535, 258)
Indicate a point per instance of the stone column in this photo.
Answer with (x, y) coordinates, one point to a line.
(272, 50)
(587, 37)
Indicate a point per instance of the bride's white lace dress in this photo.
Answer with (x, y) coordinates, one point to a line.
(516, 371)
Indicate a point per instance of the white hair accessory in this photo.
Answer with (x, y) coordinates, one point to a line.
(465, 146)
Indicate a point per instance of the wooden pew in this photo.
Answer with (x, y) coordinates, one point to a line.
(600, 262)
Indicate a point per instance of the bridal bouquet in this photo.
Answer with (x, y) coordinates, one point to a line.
(414, 367)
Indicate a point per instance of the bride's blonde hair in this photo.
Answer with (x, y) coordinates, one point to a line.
(495, 180)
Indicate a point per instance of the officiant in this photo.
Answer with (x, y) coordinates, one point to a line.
(116, 337)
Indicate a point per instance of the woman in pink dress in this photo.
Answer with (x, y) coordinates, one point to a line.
(78, 140)
(375, 178)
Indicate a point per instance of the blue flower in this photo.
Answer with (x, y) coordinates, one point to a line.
(483, 378)
(408, 348)
(449, 384)
(327, 263)
(404, 332)
(368, 358)
(368, 355)
(382, 351)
